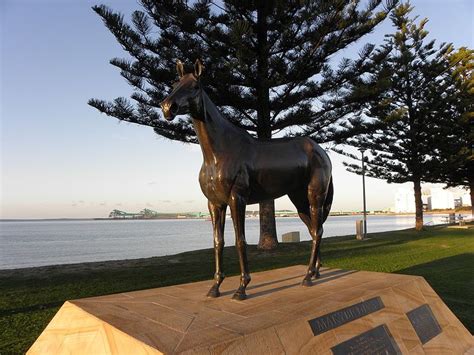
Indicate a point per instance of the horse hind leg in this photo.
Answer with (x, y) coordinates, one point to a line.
(326, 209)
(237, 209)
(316, 200)
(301, 202)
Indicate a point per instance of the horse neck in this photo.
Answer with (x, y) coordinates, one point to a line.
(216, 135)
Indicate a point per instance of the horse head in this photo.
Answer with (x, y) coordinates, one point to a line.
(186, 92)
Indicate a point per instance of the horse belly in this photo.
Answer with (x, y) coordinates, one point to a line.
(278, 169)
(274, 183)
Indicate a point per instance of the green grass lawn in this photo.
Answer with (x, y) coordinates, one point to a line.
(30, 297)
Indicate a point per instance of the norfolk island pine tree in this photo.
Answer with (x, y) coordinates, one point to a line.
(455, 133)
(409, 106)
(267, 66)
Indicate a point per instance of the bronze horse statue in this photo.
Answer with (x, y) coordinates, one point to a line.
(239, 170)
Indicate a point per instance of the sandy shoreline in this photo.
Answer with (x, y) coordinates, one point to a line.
(79, 268)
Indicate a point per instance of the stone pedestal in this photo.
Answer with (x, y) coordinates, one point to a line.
(290, 237)
(360, 230)
(344, 312)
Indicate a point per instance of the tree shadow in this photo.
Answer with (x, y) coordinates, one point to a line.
(381, 239)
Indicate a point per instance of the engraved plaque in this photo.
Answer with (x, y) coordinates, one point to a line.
(375, 341)
(342, 316)
(424, 322)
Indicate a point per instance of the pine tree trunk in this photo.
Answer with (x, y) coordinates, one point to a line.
(471, 188)
(268, 236)
(418, 205)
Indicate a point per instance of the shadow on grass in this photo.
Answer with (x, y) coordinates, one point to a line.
(453, 279)
(36, 307)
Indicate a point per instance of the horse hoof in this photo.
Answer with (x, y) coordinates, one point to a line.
(318, 275)
(213, 292)
(307, 283)
(238, 296)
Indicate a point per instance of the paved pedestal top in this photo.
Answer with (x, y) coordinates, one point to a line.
(279, 316)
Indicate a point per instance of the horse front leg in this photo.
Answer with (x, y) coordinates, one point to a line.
(237, 207)
(217, 213)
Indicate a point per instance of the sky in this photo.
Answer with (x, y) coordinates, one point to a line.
(62, 158)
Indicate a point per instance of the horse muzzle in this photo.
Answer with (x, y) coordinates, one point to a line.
(170, 109)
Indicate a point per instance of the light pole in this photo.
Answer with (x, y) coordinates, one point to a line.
(362, 150)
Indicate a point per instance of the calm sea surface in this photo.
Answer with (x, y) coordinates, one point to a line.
(39, 243)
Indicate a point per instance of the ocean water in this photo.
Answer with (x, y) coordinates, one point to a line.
(39, 243)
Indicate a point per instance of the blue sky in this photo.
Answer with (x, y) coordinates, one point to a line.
(61, 158)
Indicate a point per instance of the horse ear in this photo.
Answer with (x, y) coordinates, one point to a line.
(180, 68)
(198, 68)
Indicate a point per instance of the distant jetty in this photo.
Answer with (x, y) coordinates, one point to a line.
(150, 214)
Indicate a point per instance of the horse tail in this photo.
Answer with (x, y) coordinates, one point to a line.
(328, 201)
